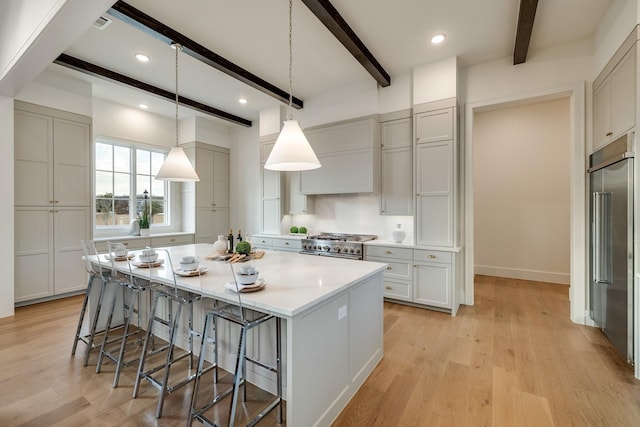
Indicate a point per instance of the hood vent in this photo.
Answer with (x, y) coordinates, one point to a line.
(102, 22)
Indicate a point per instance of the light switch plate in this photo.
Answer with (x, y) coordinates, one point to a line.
(342, 312)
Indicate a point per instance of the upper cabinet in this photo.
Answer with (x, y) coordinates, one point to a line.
(396, 167)
(436, 178)
(272, 190)
(614, 99)
(348, 154)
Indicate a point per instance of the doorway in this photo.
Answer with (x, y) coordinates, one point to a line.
(575, 93)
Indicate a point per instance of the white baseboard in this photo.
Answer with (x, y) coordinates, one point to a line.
(513, 273)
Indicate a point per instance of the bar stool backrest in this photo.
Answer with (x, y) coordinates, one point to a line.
(89, 250)
(235, 282)
(113, 246)
(173, 271)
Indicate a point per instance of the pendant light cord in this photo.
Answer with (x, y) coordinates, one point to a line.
(289, 113)
(177, 47)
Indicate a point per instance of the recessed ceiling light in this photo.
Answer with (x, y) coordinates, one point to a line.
(242, 100)
(143, 106)
(438, 38)
(142, 57)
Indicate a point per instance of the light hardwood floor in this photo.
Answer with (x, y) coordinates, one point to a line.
(513, 359)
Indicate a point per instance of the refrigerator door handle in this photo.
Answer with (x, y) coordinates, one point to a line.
(604, 239)
(595, 232)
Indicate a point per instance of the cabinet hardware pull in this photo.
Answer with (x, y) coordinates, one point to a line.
(389, 267)
(56, 201)
(388, 252)
(286, 243)
(51, 210)
(388, 288)
(609, 134)
(173, 240)
(432, 256)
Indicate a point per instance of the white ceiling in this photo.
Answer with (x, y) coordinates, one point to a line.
(253, 34)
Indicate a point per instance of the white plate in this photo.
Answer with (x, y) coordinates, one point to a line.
(200, 270)
(120, 258)
(139, 264)
(259, 284)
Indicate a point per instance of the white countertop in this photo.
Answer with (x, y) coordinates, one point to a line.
(295, 282)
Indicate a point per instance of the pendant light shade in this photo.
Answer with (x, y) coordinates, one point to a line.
(292, 151)
(176, 166)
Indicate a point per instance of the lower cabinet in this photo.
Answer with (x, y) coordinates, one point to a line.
(134, 243)
(48, 255)
(277, 243)
(420, 276)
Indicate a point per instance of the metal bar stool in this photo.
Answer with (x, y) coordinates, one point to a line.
(182, 298)
(136, 289)
(236, 314)
(95, 272)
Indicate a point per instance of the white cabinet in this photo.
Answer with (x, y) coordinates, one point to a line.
(614, 101)
(277, 243)
(140, 242)
(348, 153)
(398, 277)
(52, 201)
(437, 192)
(272, 190)
(396, 195)
(207, 200)
(297, 203)
(434, 278)
(424, 277)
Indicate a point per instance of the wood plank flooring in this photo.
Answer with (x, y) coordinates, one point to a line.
(513, 359)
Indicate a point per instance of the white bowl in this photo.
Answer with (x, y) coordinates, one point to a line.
(148, 258)
(246, 279)
(189, 266)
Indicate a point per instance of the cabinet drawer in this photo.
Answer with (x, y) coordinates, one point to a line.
(396, 269)
(131, 244)
(263, 242)
(287, 244)
(397, 290)
(432, 256)
(171, 240)
(388, 252)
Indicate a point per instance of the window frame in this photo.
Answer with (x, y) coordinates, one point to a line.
(125, 230)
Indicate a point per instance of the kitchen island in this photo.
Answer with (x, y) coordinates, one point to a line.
(332, 323)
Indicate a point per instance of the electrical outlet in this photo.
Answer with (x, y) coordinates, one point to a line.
(342, 312)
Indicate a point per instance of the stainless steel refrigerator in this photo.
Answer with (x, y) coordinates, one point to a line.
(611, 241)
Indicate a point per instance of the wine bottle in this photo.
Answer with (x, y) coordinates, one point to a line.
(239, 235)
(230, 242)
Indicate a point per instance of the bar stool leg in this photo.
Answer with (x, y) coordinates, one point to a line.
(167, 369)
(196, 383)
(106, 332)
(237, 376)
(279, 366)
(82, 313)
(148, 338)
(135, 296)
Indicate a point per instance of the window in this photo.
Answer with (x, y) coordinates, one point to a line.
(124, 182)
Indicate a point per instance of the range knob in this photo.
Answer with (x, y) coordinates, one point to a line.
(326, 248)
(335, 249)
(357, 250)
(351, 250)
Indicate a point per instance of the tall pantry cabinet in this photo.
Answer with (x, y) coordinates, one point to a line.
(52, 200)
(210, 195)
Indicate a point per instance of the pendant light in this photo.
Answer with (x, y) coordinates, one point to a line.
(292, 151)
(176, 166)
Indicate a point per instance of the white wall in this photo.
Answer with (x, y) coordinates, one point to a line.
(614, 28)
(6, 208)
(522, 191)
(57, 90)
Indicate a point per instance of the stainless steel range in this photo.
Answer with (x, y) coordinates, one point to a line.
(336, 245)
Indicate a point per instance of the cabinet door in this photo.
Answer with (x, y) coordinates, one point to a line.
(204, 169)
(271, 201)
(204, 226)
(33, 159)
(602, 115)
(434, 179)
(396, 133)
(34, 253)
(71, 225)
(220, 222)
(623, 95)
(220, 180)
(71, 158)
(297, 203)
(434, 125)
(433, 285)
(341, 173)
(397, 181)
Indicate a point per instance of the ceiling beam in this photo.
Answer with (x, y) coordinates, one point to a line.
(168, 35)
(329, 16)
(526, 16)
(104, 73)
